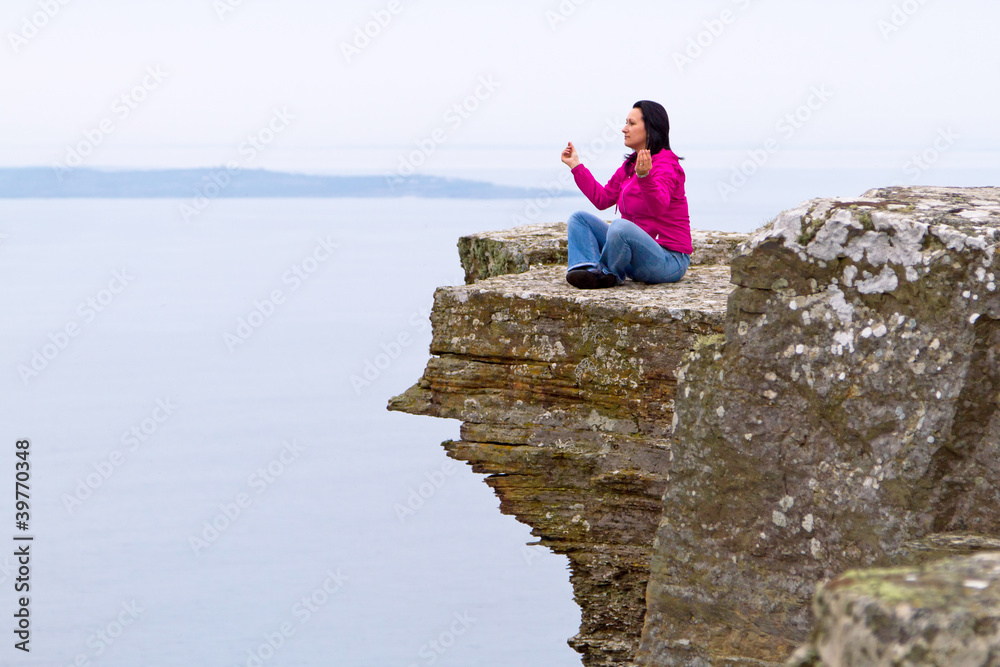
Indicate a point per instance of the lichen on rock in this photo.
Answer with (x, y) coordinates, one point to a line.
(849, 413)
(943, 613)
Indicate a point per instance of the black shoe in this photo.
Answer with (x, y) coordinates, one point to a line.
(590, 279)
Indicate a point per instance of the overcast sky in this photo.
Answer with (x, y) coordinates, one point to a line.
(526, 76)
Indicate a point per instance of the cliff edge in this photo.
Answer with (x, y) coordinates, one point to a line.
(708, 453)
(566, 398)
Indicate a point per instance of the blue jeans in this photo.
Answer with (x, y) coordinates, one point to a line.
(622, 248)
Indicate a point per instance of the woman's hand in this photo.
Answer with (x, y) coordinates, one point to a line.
(643, 163)
(569, 156)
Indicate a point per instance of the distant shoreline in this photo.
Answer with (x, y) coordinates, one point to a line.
(222, 183)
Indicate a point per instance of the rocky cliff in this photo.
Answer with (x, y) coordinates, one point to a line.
(566, 398)
(847, 418)
(734, 445)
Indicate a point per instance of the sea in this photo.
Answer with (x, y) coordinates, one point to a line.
(196, 461)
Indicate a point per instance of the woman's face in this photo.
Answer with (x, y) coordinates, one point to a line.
(635, 130)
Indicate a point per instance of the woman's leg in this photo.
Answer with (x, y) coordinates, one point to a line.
(675, 266)
(631, 252)
(586, 235)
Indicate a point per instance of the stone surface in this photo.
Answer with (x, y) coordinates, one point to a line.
(848, 418)
(946, 613)
(497, 253)
(489, 254)
(566, 400)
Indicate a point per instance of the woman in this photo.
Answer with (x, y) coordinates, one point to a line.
(651, 242)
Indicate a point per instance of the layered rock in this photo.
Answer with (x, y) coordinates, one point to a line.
(498, 253)
(848, 418)
(944, 613)
(566, 398)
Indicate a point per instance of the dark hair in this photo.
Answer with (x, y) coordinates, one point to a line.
(657, 124)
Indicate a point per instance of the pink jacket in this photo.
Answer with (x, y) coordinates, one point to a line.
(656, 203)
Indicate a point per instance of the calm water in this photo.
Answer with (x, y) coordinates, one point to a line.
(215, 479)
(150, 354)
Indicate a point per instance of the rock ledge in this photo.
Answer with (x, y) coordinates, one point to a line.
(566, 400)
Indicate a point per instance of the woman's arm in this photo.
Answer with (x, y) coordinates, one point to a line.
(601, 196)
